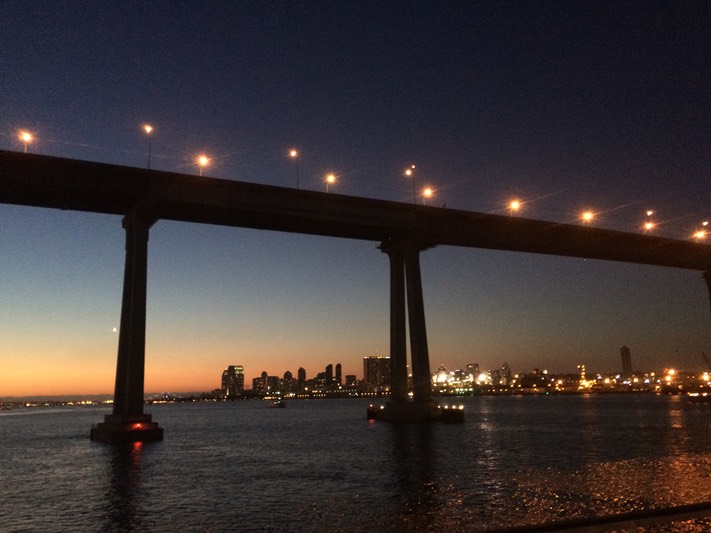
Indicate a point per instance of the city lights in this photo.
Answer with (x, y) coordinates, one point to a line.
(26, 138)
(202, 161)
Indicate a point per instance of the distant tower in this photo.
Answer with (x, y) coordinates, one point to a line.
(329, 376)
(626, 360)
(339, 375)
(233, 381)
(301, 379)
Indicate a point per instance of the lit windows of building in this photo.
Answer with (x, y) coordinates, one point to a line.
(376, 371)
(233, 381)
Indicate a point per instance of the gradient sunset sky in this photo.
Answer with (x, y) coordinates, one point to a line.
(565, 105)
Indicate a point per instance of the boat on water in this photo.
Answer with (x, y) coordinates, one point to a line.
(277, 403)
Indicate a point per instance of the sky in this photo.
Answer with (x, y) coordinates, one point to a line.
(565, 105)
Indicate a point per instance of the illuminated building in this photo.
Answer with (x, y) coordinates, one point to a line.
(339, 374)
(233, 381)
(376, 371)
(473, 370)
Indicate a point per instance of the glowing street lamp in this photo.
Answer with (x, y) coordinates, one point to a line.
(587, 217)
(202, 161)
(26, 138)
(148, 129)
(410, 173)
(427, 193)
(515, 206)
(649, 224)
(330, 180)
(294, 154)
(700, 235)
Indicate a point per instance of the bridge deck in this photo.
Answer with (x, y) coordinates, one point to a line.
(43, 181)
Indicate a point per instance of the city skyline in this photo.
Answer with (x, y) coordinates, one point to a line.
(563, 108)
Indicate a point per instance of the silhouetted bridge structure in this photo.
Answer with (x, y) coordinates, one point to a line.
(402, 230)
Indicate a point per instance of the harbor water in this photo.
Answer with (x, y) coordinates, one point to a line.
(320, 465)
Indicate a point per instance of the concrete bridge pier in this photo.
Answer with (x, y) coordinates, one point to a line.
(128, 423)
(405, 274)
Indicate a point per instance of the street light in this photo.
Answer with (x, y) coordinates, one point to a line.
(202, 161)
(427, 193)
(587, 217)
(649, 224)
(330, 180)
(515, 206)
(294, 154)
(26, 138)
(148, 129)
(410, 173)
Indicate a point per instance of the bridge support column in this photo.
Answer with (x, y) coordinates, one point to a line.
(128, 423)
(405, 272)
(398, 333)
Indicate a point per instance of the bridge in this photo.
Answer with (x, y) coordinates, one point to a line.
(402, 231)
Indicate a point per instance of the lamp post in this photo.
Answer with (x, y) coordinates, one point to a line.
(26, 138)
(587, 217)
(148, 129)
(427, 193)
(202, 161)
(294, 154)
(410, 173)
(649, 224)
(330, 180)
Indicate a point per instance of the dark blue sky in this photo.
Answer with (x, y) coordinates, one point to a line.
(567, 105)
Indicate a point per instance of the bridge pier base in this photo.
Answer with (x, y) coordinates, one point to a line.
(128, 423)
(117, 429)
(405, 278)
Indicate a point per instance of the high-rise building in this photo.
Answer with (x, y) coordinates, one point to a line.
(300, 379)
(376, 371)
(339, 374)
(626, 360)
(328, 380)
(233, 381)
(505, 375)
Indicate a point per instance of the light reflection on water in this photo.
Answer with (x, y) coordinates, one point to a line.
(321, 466)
